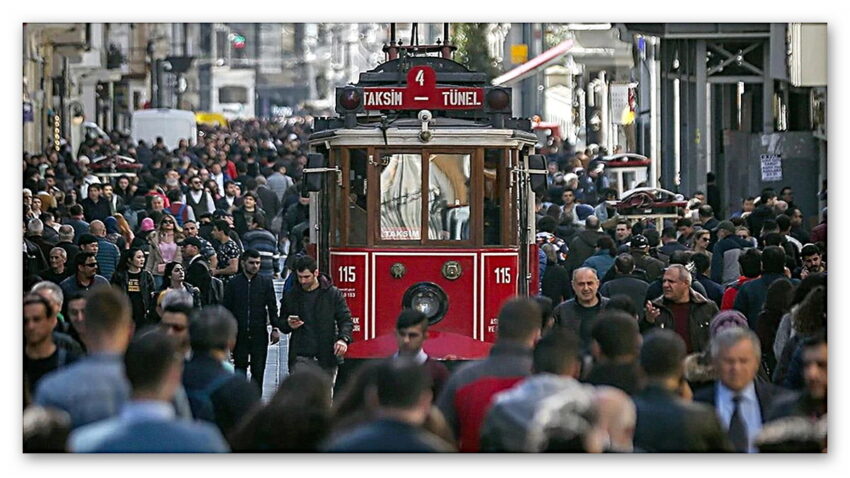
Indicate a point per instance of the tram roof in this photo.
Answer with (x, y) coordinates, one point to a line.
(445, 132)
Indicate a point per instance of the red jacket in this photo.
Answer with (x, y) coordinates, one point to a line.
(466, 397)
(732, 292)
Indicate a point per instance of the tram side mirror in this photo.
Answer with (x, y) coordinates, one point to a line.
(537, 168)
(313, 180)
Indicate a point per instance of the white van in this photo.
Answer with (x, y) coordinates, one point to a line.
(171, 125)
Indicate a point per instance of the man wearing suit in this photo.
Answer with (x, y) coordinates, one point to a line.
(147, 423)
(197, 269)
(666, 422)
(741, 403)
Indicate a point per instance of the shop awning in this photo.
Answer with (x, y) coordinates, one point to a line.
(530, 67)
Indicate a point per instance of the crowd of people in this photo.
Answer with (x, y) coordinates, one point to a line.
(149, 305)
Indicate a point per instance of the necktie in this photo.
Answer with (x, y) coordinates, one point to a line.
(738, 427)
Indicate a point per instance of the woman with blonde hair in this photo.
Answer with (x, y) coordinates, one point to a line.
(164, 247)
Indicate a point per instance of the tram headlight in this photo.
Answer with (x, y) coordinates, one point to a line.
(350, 98)
(498, 99)
(427, 298)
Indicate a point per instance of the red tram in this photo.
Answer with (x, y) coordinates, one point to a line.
(422, 196)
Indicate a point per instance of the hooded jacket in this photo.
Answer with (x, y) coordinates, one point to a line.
(726, 244)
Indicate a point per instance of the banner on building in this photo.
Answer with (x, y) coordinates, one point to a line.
(771, 167)
(619, 102)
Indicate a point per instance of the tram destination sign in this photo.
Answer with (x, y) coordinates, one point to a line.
(422, 93)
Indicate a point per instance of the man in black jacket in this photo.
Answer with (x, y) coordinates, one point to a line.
(666, 422)
(197, 268)
(626, 281)
(317, 316)
(580, 313)
(639, 249)
(250, 298)
(94, 206)
(615, 348)
(763, 212)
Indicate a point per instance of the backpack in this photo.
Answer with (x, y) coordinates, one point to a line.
(200, 400)
(180, 215)
(277, 222)
(215, 293)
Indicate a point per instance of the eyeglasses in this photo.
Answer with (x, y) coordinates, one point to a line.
(90, 264)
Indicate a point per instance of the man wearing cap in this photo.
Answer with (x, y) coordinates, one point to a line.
(639, 249)
(726, 241)
(192, 229)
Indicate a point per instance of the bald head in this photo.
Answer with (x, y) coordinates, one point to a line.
(66, 233)
(585, 285)
(616, 417)
(97, 228)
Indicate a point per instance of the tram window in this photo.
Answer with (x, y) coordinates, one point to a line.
(401, 198)
(357, 217)
(494, 188)
(448, 197)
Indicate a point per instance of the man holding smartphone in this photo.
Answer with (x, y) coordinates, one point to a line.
(317, 317)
